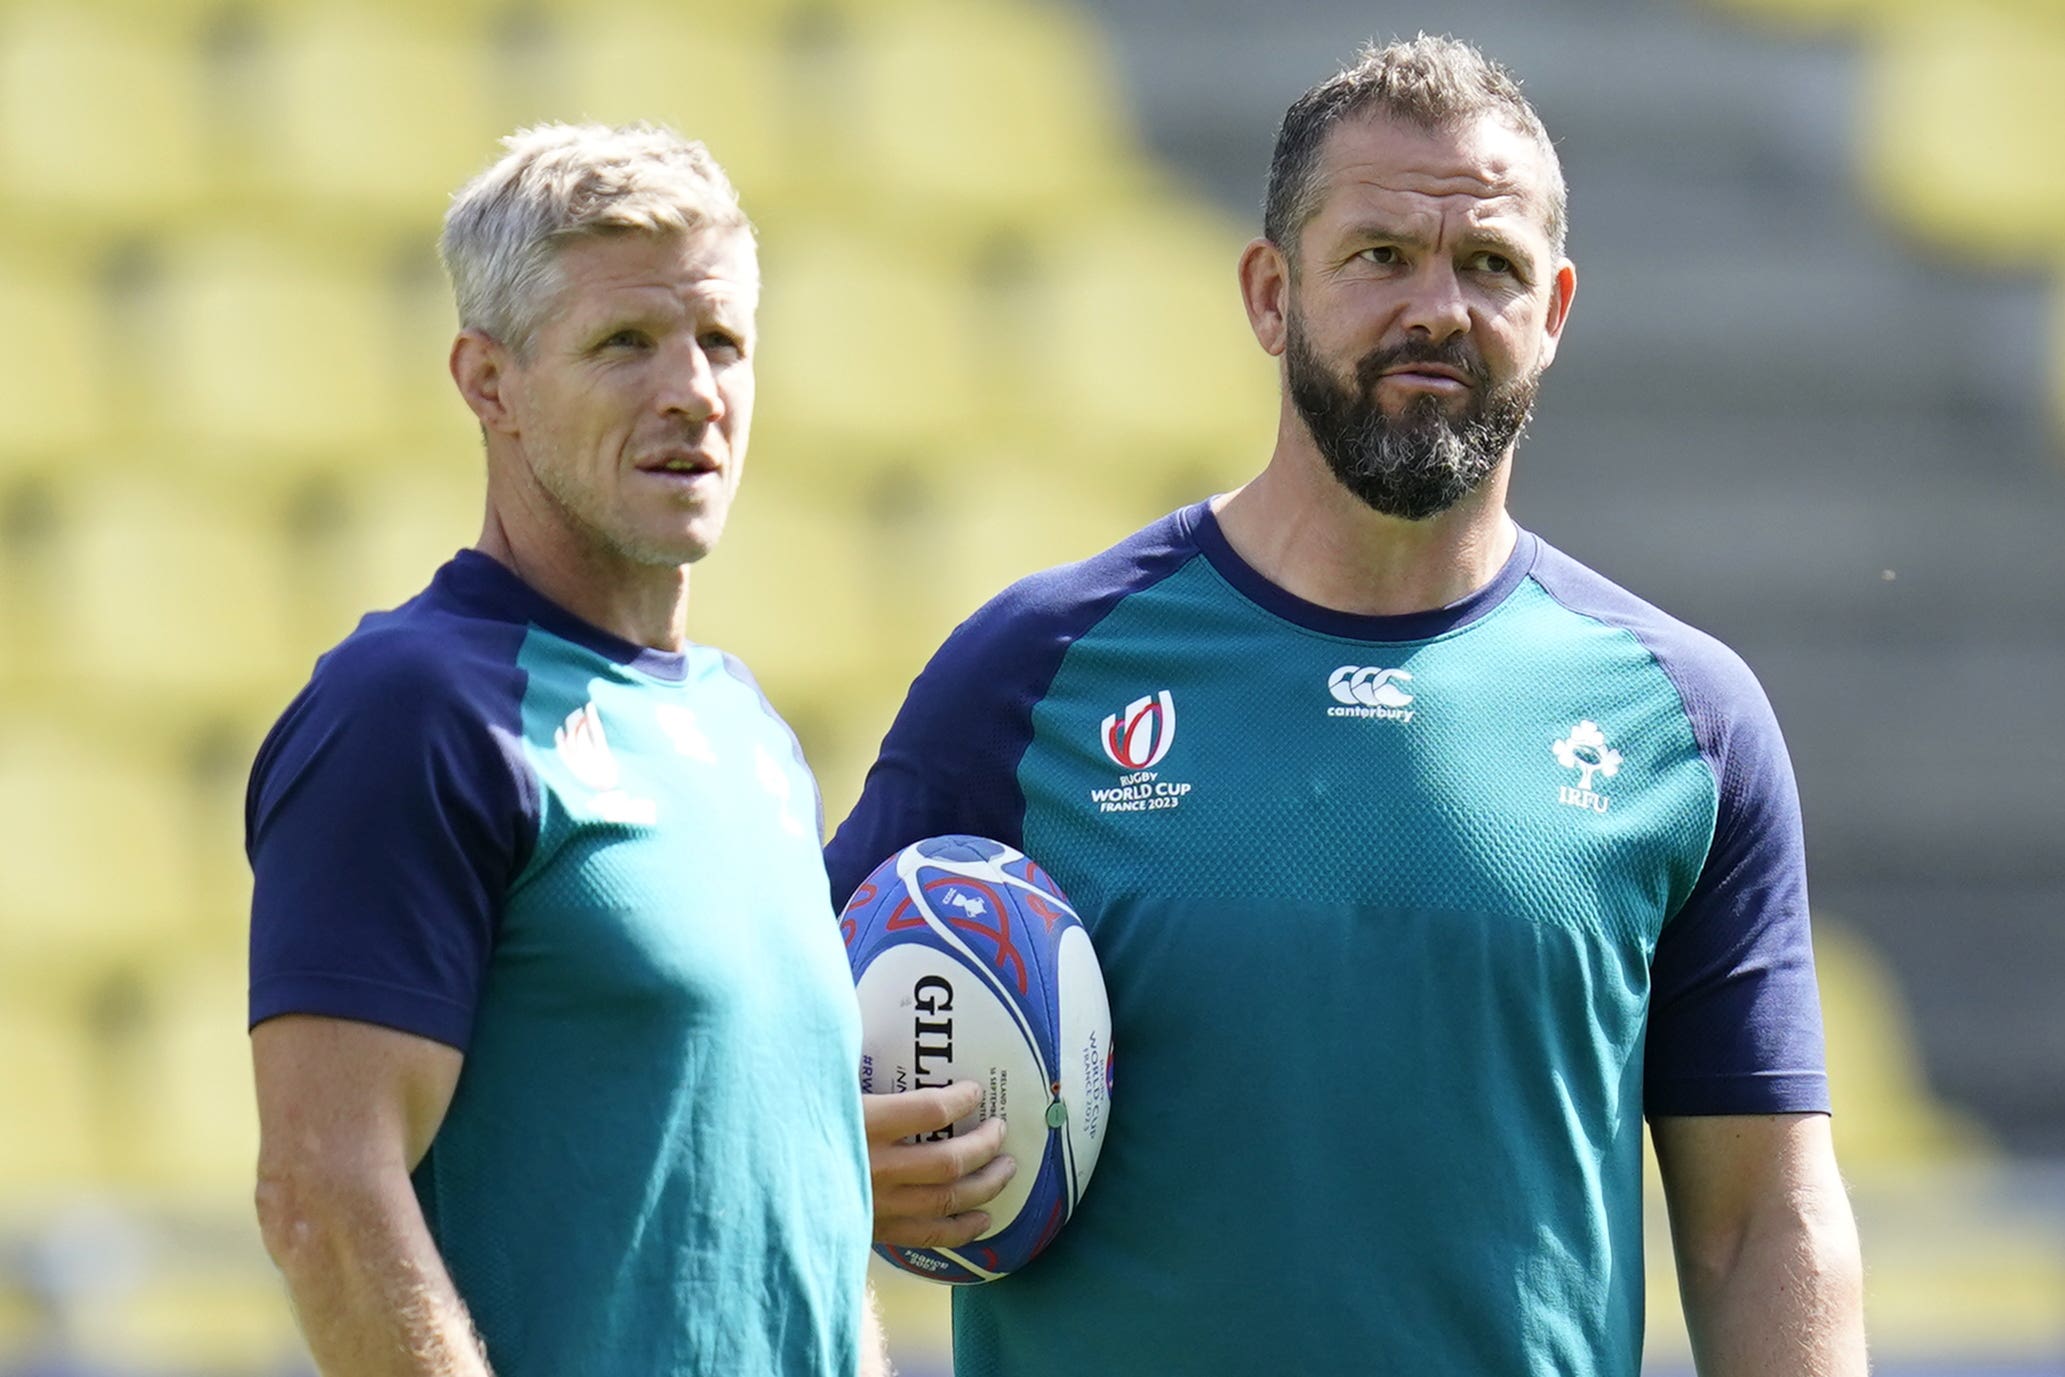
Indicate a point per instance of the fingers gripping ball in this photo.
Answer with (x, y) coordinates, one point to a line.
(972, 965)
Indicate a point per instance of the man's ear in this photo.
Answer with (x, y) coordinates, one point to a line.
(482, 368)
(1265, 289)
(1562, 288)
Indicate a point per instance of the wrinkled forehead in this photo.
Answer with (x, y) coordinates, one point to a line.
(719, 263)
(1482, 169)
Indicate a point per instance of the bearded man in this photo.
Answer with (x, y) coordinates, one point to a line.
(1463, 861)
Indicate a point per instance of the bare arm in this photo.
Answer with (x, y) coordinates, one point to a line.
(1768, 1262)
(345, 1111)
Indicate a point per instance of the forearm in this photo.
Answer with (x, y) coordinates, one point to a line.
(1788, 1301)
(371, 1293)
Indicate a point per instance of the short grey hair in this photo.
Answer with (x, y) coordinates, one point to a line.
(556, 182)
(1435, 84)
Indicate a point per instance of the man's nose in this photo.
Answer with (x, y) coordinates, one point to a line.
(1435, 304)
(689, 384)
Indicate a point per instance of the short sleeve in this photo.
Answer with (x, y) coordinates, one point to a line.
(948, 764)
(1735, 1014)
(950, 760)
(388, 812)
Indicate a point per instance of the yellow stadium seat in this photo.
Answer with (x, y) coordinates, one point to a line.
(20, 637)
(713, 80)
(1962, 115)
(172, 591)
(991, 108)
(102, 124)
(98, 847)
(217, 756)
(421, 320)
(1136, 344)
(790, 23)
(21, 1320)
(825, 593)
(183, 20)
(231, 1317)
(271, 354)
(865, 341)
(28, 628)
(1008, 513)
(825, 615)
(373, 114)
(760, 16)
(52, 1140)
(1957, 1264)
(478, 20)
(53, 361)
(790, 588)
(384, 530)
(188, 1116)
(1885, 1116)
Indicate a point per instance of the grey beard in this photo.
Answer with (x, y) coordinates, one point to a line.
(1423, 462)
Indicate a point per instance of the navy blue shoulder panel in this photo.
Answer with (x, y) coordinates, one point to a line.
(1735, 1017)
(389, 810)
(950, 760)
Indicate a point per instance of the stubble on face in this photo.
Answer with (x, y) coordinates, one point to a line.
(592, 511)
(1422, 461)
(597, 424)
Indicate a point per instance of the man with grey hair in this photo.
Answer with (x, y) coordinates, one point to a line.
(555, 1043)
(1463, 862)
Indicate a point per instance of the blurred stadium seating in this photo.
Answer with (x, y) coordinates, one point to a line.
(1962, 113)
(999, 330)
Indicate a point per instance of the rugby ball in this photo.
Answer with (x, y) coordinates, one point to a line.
(972, 965)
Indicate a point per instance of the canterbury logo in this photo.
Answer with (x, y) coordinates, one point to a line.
(1372, 687)
(1138, 738)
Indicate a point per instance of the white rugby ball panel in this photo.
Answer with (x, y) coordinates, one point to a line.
(929, 1020)
(970, 964)
(1084, 1036)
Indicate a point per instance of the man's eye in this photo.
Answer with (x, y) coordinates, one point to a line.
(625, 339)
(722, 342)
(1384, 254)
(1495, 263)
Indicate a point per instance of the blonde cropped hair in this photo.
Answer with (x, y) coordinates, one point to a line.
(556, 182)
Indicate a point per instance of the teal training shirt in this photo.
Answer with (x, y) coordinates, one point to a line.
(594, 869)
(1407, 922)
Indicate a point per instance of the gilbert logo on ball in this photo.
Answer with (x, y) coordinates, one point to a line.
(972, 965)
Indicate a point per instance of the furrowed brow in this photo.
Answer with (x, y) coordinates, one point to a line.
(1381, 232)
(1491, 241)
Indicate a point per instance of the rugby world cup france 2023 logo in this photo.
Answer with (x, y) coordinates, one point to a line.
(1136, 741)
(1139, 737)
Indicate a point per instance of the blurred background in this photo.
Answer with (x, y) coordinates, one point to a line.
(1812, 399)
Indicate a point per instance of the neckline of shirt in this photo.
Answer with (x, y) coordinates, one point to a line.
(1356, 626)
(485, 583)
